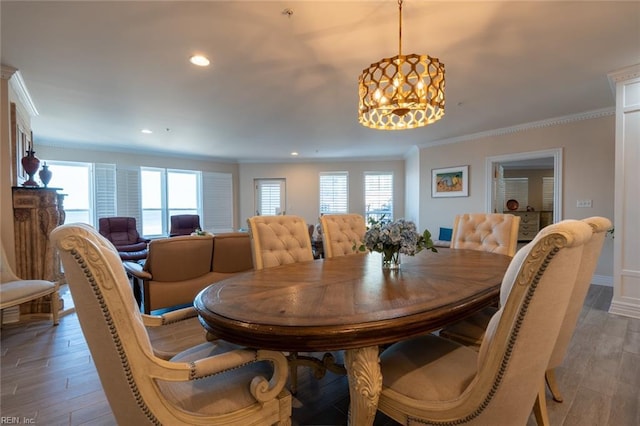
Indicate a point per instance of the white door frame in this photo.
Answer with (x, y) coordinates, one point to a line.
(557, 174)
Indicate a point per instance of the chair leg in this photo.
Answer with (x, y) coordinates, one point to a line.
(55, 307)
(540, 407)
(550, 378)
(293, 372)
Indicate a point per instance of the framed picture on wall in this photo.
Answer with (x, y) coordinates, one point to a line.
(450, 182)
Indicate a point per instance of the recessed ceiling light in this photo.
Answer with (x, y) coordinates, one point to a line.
(294, 154)
(146, 131)
(199, 60)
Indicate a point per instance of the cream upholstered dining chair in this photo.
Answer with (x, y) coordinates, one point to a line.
(279, 240)
(432, 380)
(15, 291)
(341, 233)
(212, 383)
(470, 331)
(493, 232)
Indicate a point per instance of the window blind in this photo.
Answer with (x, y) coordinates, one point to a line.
(128, 200)
(517, 189)
(334, 194)
(217, 202)
(105, 190)
(270, 197)
(547, 193)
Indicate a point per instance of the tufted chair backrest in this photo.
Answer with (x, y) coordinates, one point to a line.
(279, 240)
(341, 232)
(492, 232)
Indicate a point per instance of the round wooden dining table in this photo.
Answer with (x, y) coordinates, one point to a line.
(350, 303)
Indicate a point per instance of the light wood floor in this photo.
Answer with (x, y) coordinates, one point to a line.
(47, 375)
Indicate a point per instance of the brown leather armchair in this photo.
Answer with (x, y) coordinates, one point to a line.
(184, 224)
(122, 232)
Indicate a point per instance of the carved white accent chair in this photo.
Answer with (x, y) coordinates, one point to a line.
(341, 232)
(432, 380)
(213, 383)
(14, 291)
(171, 332)
(470, 331)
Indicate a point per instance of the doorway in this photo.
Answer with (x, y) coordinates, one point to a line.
(495, 166)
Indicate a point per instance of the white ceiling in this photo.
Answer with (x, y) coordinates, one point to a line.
(99, 72)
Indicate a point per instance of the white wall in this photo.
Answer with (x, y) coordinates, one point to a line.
(414, 186)
(303, 192)
(588, 155)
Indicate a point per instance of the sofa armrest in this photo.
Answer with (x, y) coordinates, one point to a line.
(136, 270)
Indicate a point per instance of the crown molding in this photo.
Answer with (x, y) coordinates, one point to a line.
(623, 74)
(603, 112)
(20, 88)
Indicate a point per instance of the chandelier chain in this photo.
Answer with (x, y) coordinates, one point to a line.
(399, 28)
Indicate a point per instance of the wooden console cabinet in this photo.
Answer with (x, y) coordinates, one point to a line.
(36, 212)
(529, 224)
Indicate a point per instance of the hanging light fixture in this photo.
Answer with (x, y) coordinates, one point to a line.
(403, 92)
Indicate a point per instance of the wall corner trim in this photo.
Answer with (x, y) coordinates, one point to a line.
(18, 85)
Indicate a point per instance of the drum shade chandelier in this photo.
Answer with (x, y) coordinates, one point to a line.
(402, 92)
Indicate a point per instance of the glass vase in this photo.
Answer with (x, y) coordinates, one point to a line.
(391, 261)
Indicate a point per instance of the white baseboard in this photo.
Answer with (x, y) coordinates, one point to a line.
(624, 309)
(605, 280)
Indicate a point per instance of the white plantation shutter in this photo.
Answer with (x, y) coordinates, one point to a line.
(217, 202)
(334, 194)
(105, 198)
(378, 195)
(128, 194)
(517, 189)
(270, 196)
(547, 193)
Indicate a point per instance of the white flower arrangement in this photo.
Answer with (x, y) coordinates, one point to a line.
(392, 238)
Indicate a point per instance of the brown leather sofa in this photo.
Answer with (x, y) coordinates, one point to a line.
(177, 268)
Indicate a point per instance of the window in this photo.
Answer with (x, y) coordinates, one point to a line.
(182, 192)
(517, 189)
(270, 197)
(165, 193)
(76, 180)
(334, 194)
(378, 195)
